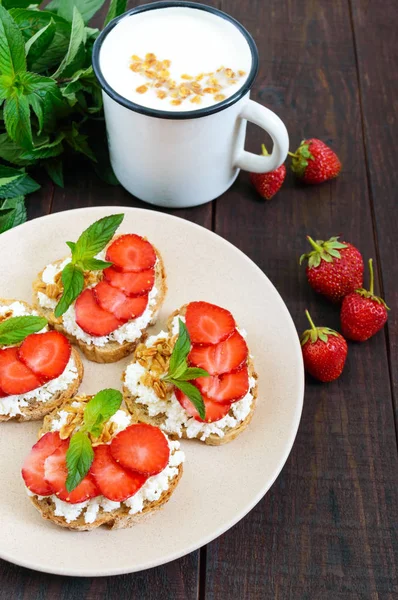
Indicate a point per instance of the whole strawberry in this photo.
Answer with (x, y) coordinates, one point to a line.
(362, 313)
(324, 352)
(267, 184)
(314, 162)
(334, 268)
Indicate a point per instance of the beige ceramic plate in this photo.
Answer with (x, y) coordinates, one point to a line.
(220, 484)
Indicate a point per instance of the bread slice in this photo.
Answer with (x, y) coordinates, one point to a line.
(119, 518)
(37, 409)
(112, 351)
(140, 411)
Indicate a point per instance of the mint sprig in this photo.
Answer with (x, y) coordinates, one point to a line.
(16, 329)
(49, 95)
(180, 374)
(80, 454)
(92, 240)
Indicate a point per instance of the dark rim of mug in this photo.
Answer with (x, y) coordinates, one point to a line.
(165, 114)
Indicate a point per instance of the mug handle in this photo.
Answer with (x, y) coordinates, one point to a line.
(272, 124)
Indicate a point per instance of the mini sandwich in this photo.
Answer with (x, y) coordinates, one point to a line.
(39, 369)
(197, 380)
(93, 466)
(106, 294)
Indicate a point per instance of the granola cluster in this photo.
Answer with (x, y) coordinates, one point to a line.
(75, 419)
(6, 315)
(54, 290)
(156, 359)
(191, 88)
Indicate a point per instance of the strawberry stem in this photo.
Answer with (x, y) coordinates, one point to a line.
(314, 244)
(264, 150)
(293, 155)
(307, 314)
(371, 276)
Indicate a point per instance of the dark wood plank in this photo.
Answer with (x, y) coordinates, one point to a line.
(325, 530)
(377, 57)
(177, 581)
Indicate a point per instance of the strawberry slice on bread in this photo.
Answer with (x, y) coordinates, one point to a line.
(38, 368)
(93, 466)
(201, 373)
(107, 284)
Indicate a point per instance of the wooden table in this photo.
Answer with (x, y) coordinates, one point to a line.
(326, 528)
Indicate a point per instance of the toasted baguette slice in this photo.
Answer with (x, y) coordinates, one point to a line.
(119, 518)
(140, 411)
(112, 351)
(37, 409)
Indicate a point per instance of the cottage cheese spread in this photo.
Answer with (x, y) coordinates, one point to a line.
(11, 405)
(176, 418)
(129, 332)
(151, 491)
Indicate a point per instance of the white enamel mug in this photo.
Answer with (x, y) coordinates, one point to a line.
(186, 158)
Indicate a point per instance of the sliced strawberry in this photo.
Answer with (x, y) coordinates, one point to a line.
(15, 377)
(46, 354)
(33, 467)
(223, 357)
(225, 388)
(214, 410)
(116, 302)
(93, 319)
(208, 323)
(131, 253)
(56, 472)
(132, 284)
(114, 482)
(141, 447)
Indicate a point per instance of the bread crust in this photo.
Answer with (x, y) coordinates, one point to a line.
(140, 411)
(117, 519)
(112, 351)
(36, 410)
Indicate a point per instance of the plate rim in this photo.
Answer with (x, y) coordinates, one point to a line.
(282, 461)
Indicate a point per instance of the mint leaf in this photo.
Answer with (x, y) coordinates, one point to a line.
(12, 49)
(38, 44)
(14, 182)
(78, 142)
(18, 3)
(94, 264)
(6, 87)
(95, 238)
(193, 394)
(116, 8)
(9, 150)
(17, 120)
(101, 408)
(16, 329)
(73, 282)
(79, 457)
(12, 213)
(75, 51)
(193, 373)
(180, 350)
(55, 171)
(87, 8)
